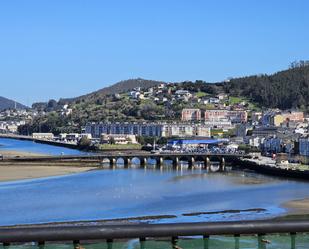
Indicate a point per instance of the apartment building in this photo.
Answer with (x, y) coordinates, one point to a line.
(191, 115)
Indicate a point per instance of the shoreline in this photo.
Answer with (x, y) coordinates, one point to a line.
(15, 153)
(297, 207)
(14, 172)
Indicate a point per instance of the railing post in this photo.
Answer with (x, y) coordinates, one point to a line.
(236, 237)
(76, 244)
(206, 241)
(109, 243)
(261, 243)
(293, 240)
(41, 244)
(142, 242)
(6, 245)
(174, 242)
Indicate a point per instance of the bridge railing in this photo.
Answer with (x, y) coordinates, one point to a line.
(59, 233)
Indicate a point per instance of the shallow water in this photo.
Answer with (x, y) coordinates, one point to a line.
(29, 146)
(123, 193)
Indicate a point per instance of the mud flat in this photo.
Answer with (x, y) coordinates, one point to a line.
(297, 207)
(13, 173)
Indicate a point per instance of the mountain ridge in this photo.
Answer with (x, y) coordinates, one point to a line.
(6, 103)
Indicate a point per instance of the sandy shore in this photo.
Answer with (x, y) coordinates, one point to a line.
(11, 173)
(13, 153)
(28, 171)
(299, 207)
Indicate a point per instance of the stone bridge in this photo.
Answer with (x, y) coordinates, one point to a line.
(142, 157)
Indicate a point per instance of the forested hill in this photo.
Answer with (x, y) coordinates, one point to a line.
(286, 89)
(9, 104)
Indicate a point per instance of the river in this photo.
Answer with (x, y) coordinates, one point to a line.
(173, 196)
(30, 146)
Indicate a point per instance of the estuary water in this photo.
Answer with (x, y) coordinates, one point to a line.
(183, 196)
(148, 195)
(29, 146)
(165, 195)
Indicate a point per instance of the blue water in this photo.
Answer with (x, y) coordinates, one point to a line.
(122, 193)
(29, 146)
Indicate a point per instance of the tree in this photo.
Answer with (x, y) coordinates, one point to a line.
(112, 140)
(84, 143)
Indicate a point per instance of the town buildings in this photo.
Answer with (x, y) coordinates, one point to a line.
(138, 129)
(233, 116)
(10, 126)
(148, 129)
(191, 115)
(304, 146)
(304, 150)
(43, 136)
(118, 139)
(278, 118)
(185, 130)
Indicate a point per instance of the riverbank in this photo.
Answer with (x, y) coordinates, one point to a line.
(268, 166)
(14, 173)
(297, 207)
(30, 171)
(14, 153)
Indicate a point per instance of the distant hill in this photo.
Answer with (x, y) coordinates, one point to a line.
(286, 89)
(10, 104)
(120, 87)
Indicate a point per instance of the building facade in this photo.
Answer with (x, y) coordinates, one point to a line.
(191, 115)
(277, 118)
(304, 150)
(233, 116)
(138, 129)
(148, 129)
(304, 146)
(118, 138)
(185, 130)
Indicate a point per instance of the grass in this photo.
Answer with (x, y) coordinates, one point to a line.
(210, 106)
(216, 132)
(201, 94)
(251, 105)
(119, 147)
(235, 100)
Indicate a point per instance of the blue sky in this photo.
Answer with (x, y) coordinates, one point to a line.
(65, 48)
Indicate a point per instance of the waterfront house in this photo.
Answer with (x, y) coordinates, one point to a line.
(118, 139)
(43, 136)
